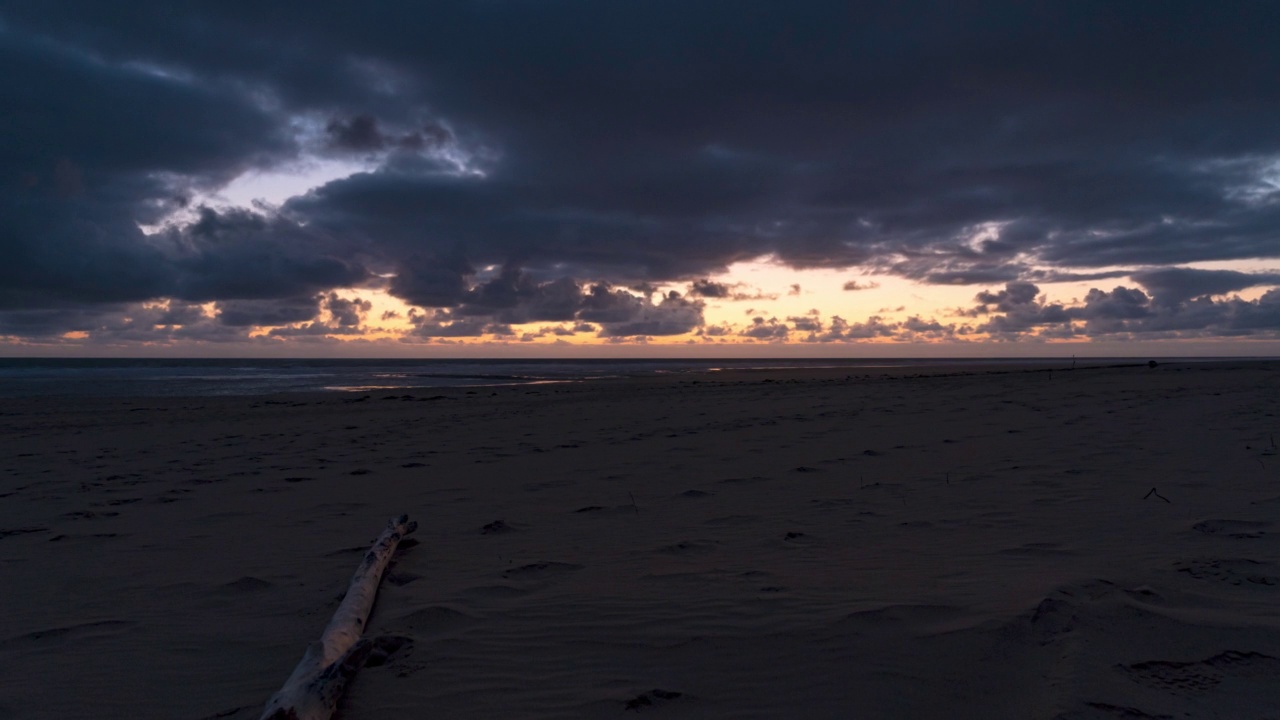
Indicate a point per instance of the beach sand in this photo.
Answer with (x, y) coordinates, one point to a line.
(747, 545)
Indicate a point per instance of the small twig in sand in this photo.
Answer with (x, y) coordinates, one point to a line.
(1153, 492)
(948, 478)
(633, 504)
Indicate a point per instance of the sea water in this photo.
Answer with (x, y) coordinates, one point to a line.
(25, 377)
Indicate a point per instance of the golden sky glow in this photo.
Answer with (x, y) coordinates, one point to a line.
(763, 291)
(768, 290)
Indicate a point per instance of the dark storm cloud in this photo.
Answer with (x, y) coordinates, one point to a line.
(513, 297)
(805, 324)
(345, 316)
(245, 254)
(360, 133)
(156, 323)
(248, 313)
(762, 329)
(442, 326)
(621, 313)
(944, 271)
(347, 313)
(91, 146)
(710, 289)
(841, 330)
(854, 286)
(1020, 310)
(1058, 276)
(736, 292)
(632, 144)
(363, 134)
(1014, 297)
(1171, 286)
(915, 324)
(431, 281)
(42, 323)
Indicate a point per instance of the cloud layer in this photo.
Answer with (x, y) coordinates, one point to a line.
(531, 161)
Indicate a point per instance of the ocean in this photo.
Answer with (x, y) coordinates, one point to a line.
(28, 377)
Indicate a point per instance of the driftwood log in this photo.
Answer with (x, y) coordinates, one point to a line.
(313, 690)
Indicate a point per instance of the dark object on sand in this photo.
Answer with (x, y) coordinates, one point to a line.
(1152, 363)
(313, 690)
(495, 527)
(642, 700)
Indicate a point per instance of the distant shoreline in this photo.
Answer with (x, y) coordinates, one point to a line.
(110, 377)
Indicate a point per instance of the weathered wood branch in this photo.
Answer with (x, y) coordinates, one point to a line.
(313, 690)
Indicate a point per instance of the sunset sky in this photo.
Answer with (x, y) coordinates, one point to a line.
(608, 179)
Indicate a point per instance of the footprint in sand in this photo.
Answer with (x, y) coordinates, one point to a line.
(236, 713)
(832, 503)
(1204, 675)
(246, 584)
(497, 527)
(687, 547)
(433, 620)
(493, 592)
(1236, 529)
(355, 550)
(89, 515)
(600, 510)
(918, 620)
(548, 485)
(78, 633)
(387, 646)
(732, 520)
(1037, 549)
(743, 481)
(399, 579)
(22, 531)
(86, 536)
(654, 697)
(1053, 617)
(1234, 571)
(1125, 712)
(541, 571)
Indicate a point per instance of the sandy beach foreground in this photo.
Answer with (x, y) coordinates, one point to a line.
(755, 545)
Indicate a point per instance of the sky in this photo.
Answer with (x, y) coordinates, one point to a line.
(495, 178)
